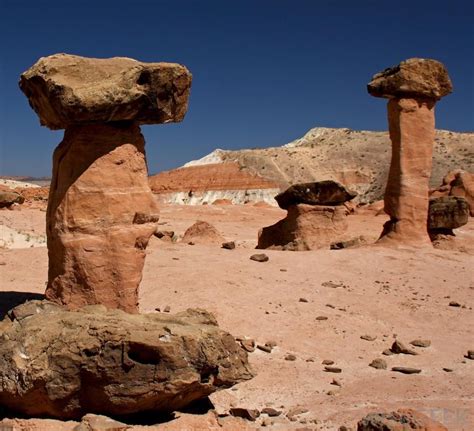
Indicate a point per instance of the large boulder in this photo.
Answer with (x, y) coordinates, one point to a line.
(8, 198)
(412, 78)
(316, 193)
(447, 212)
(64, 364)
(202, 232)
(305, 227)
(67, 89)
(400, 420)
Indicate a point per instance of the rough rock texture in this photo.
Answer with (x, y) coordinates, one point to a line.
(463, 186)
(411, 125)
(306, 227)
(101, 214)
(66, 90)
(8, 198)
(202, 232)
(448, 212)
(413, 88)
(412, 78)
(400, 420)
(64, 364)
(316, 193)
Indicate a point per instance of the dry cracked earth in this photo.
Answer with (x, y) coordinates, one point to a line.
(328, 314)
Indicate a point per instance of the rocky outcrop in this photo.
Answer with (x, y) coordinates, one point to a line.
(315, 217)
(101, 211)
(64, 364)
(305, 227)
(316, 193)
(400, 420)
(413, 87)
(202, 232)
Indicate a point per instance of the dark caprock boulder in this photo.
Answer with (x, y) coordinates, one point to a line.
(316, 193)
(64, 364)
(447, 212)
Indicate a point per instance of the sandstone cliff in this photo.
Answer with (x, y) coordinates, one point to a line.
(357, 159)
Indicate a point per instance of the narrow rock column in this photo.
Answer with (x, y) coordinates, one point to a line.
(101, 211)
(413, 88)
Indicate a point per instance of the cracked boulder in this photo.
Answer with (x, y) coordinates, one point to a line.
(65, 364)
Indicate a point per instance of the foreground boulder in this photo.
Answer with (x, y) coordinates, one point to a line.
(400, 420)
(413, 88)
(101, 211)
(202, 232)
(316, 193)
(64, 364)
(449, 212)
(306, 227)
(8, 198)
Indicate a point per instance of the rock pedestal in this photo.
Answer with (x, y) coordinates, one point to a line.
(101, 211)
(413, 88)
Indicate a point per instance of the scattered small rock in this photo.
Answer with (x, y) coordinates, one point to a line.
(269, 411)
(264, 348)
(92, 422)
(303, 300)
(368, 337)
(283, 270)
(230, 245)
(331, 284)
(164, 234)
(167, 309)
(322, 318)
(454, 304)
(406, 370)
(296, 411)
(336, 382)
(470, 354)
(421, 343)
(249, 414)
(290, 357)
(259, 257)
(387, 352)
(448, 370)
(379, 364)
(248, 345)
(398, 347)
(329, 369)
(327, 362)
(330, 306)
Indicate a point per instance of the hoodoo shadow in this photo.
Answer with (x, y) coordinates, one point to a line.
(11, 299)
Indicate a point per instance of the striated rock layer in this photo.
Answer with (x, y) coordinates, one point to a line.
(101, 214)
(64, 364)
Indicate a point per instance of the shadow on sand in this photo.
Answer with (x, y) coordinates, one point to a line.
(8, 300)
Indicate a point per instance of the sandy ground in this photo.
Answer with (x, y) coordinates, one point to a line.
(390, 294)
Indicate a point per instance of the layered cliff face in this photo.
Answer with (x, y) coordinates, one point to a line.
(357, 159)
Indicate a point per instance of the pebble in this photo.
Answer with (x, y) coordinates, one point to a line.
(336, 382)
(303, 300)
(240, 412)
(448, 370)
(248, 345)
(167, 309)
(329, 369)
(264, 348)
(379, 364)
(454, 304)
(230, 245)
(321, 318)
(261, 257)
(387, 352)
(399, 347)
(406, 370)
(470, 354)
(269, 411)
(290, 357)
(330, 306)
(368, 337)
(327, 362)
(421, 343)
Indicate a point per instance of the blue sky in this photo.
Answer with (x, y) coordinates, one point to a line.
(265, 71)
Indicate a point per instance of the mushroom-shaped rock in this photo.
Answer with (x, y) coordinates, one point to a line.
(64, 364)
(67, 90)
(316, 193)
(412, 87)
(101, 211)
(412, 78)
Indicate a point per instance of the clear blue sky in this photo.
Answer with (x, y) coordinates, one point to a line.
(265, 71)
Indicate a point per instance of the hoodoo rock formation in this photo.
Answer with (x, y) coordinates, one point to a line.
(413, 88)
(316, 217)
(101, 211)
(95, 360)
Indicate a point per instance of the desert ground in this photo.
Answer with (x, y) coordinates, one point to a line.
(314, 305)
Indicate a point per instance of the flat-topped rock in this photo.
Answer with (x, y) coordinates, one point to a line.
(412, 78)
(67, 90)
(64, 364)
(316, 193)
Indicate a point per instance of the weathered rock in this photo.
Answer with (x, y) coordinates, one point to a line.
(470, 354)
(379, 364)
(66, 90)
(448, 212)
(398, 347)
(421, 343)
(400, 420)
(406, 370)
(249, 414)
(413, 78)
(229, 245)
(202, 232)
(8, 198)
(101, 214)
(166, 235)
(91, 422)
(259, 257)
(463, 186)
(316, 193)
(305, 227)
(413, 88)
(64, 364)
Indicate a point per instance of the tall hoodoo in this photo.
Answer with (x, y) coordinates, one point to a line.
(413, 88)
(101, 211)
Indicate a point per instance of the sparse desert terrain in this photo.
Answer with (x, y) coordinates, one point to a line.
(315, 305)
